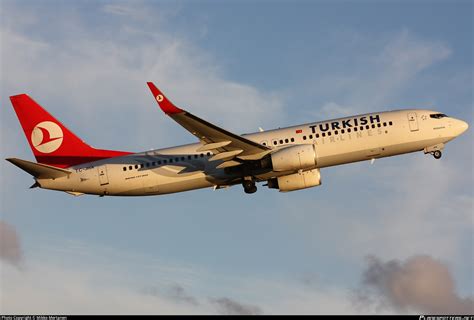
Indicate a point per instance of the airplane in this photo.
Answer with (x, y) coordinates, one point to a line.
(286, 159)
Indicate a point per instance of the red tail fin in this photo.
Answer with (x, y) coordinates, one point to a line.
(52, 143)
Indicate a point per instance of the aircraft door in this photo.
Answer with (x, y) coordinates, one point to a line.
(103, 178)
(413, 121)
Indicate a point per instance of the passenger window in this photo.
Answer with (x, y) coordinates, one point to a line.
(384, 124)
(361, 128)
(171, 160)
(311, 136)
(373, 126)
(136, 166)
(165, 161)
(342, 131)
(292, 139)
(124, 168)
(189, 157)
(275, 142)
(154, 163)
(208, 154)
(367, 127)
(317, 135)
(281, 141)
(390, 123)
(264, 143)
(355, 129)
(130, 167)
(323, 134)
(147, 165)
(335, 132)
(196, 156)
(329, 133)
(304, 137)
(286, 141)
(379, 125)
(201, 155)
(349, 130)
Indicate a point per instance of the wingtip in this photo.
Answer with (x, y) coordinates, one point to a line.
(163, 102)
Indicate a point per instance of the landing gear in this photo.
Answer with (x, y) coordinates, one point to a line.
(437, 154)
(249, 186)
(435, 150)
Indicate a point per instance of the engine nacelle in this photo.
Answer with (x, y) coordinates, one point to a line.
(296, 181)
(301, 157)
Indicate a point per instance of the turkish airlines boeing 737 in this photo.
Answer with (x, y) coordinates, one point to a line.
(286, 159)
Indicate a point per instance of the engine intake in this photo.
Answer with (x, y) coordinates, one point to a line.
(296, 181)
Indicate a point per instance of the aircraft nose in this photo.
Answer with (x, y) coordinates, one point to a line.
(462, 126)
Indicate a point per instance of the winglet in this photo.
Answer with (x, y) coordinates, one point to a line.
(167, 106)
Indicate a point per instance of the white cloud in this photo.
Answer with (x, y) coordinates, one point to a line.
(100, 82)
(74, 283)
(400, 208)
(379, 79)
(46, 288)
(333, 110)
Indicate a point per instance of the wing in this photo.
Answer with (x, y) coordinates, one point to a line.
(226, 146)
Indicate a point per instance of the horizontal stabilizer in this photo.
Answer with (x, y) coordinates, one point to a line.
(38, 170)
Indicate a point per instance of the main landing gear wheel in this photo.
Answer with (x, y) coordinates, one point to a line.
(249, 186)
(437, 154)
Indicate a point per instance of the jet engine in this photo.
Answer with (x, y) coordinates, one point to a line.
(296, 181)
(300, 157)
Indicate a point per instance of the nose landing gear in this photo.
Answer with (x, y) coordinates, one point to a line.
(435, 150)
(437, 154)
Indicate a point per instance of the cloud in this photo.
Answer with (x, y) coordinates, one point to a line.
(10, 246)
(224, 305)
(228, 306)
(420, 284)
(333, 110)
(49, 288)
(95, 77)
(76, 278)
(135, 12)
(375, 79)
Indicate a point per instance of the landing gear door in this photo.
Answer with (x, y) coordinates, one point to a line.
(103, 178)
(413, 121)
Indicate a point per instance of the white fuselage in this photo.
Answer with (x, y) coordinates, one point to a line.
(336, 142)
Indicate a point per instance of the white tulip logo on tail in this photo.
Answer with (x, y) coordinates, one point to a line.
(159, 98)
(47, 137)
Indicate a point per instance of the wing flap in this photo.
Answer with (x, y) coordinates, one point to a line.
(227, 155)
(213, 146)
(228, 164)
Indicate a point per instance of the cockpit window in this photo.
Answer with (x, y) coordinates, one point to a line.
(437, 115)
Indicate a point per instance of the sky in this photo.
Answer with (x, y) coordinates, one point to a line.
(394, 237)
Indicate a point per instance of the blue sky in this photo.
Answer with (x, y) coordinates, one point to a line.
(241, 65)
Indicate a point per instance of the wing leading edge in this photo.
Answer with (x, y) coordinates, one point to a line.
(225, 145)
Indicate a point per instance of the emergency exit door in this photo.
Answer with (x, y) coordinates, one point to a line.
(413, 121)
(103, 178)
